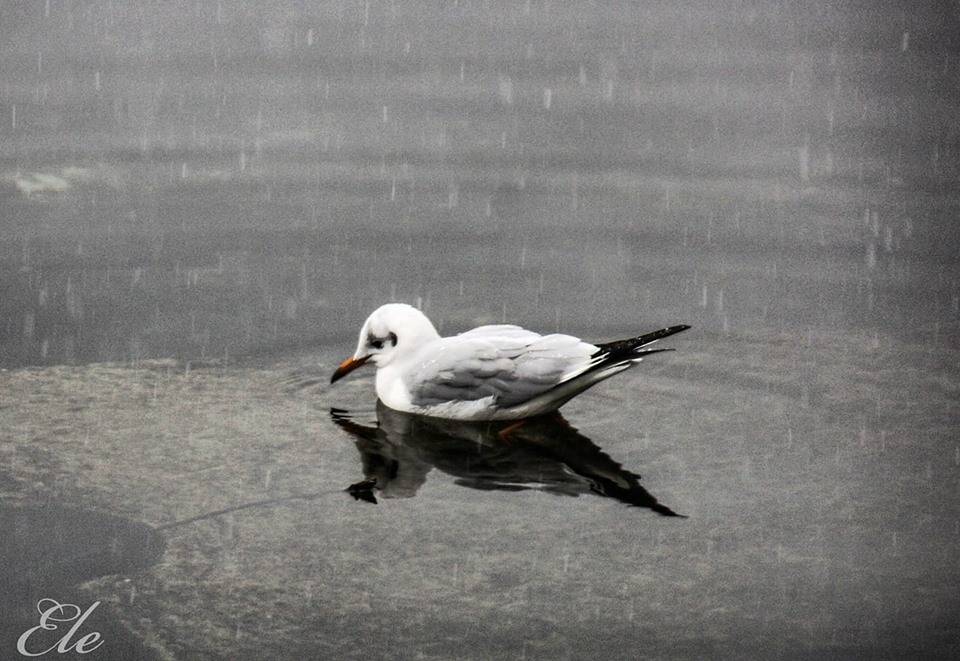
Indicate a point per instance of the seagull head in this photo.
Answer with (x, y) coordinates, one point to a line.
(392, 329)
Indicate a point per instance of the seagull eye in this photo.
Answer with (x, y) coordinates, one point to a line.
(376, 344)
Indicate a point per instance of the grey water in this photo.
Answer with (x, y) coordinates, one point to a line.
(233, 184)
(592, 170)
(49, 550)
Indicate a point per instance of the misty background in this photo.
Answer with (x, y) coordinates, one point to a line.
(210, 179)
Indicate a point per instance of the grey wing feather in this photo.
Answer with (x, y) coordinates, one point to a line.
(508, 363)
(498, 330)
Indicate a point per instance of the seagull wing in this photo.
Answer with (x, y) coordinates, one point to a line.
(508, 363)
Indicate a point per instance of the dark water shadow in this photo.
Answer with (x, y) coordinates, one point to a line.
(398, 450)
(46, 551)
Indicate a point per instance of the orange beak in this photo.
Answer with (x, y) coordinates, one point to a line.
(348, 366)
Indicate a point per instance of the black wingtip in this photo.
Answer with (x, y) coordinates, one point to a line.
(640, 353)
(634, 345)
(660, 334)
(672, 330)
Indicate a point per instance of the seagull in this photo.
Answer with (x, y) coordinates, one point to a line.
(498, 372)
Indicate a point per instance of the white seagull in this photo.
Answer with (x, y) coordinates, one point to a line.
(499, 372)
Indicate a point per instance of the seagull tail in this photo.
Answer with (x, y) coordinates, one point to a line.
(609, 359)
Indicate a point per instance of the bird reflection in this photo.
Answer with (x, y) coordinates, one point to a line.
(398, 450)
